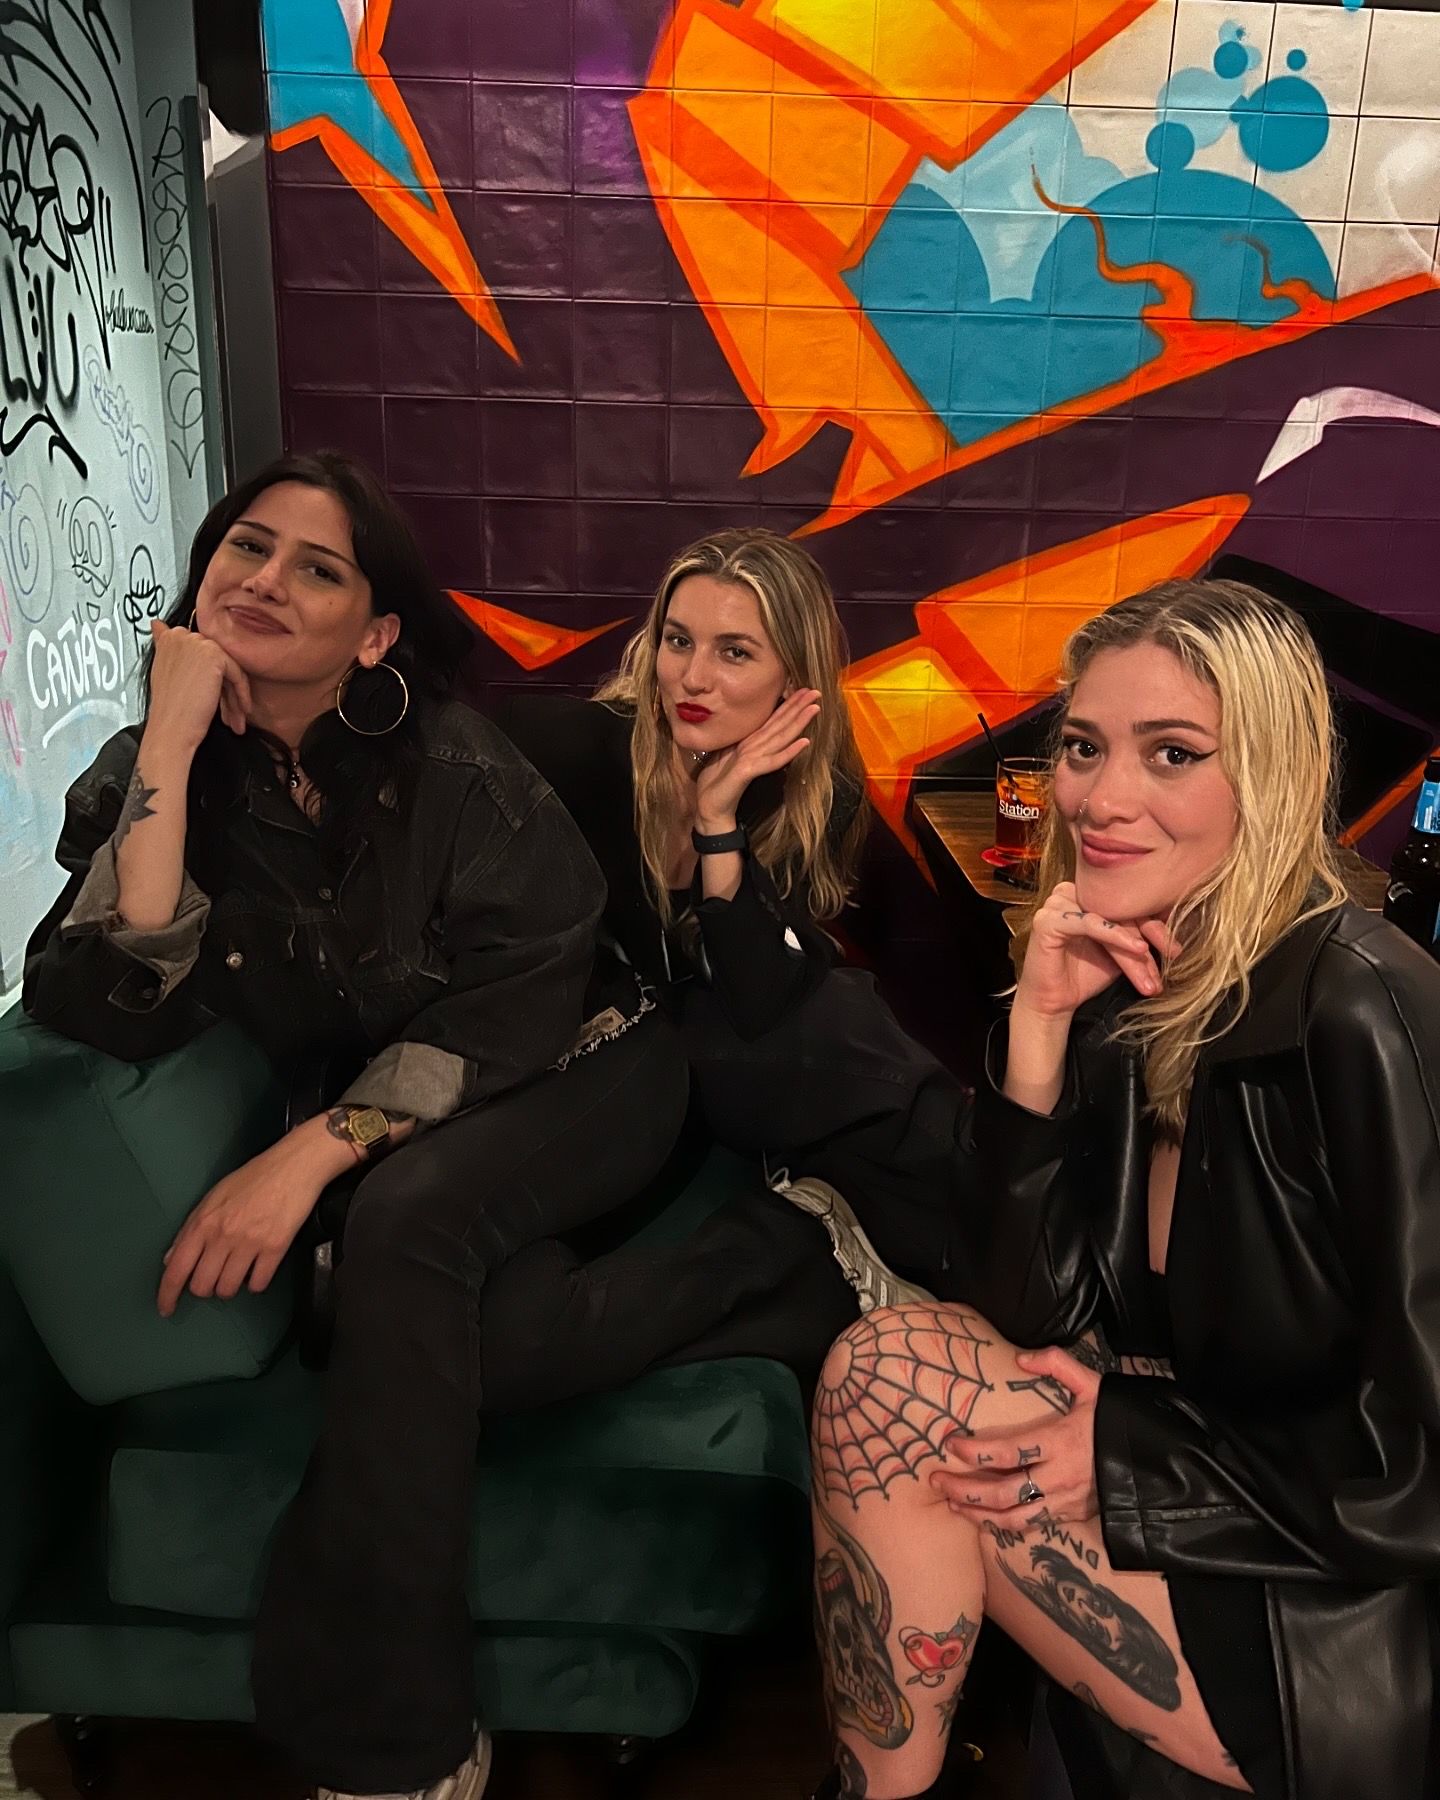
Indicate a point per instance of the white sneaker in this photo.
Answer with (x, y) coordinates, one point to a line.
(467, 1783)
(874, 1284)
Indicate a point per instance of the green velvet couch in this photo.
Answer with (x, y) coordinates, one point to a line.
(149, 1460)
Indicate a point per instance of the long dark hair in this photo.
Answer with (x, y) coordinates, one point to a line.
(362, 782)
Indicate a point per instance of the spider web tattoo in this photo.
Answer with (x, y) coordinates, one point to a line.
(911, 1382)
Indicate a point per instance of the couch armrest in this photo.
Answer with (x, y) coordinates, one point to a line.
(104, 1162)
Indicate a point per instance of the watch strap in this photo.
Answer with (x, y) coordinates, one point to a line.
(722, 843)
(367, 1128)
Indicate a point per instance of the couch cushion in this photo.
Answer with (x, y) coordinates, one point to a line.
(675, 1503)
(604, 1682)
(104, 1162)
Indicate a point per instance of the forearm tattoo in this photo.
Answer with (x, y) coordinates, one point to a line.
(137, 806)
(1093, 1351)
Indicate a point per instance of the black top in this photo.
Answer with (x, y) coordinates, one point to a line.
(765, 953)
(454, 948)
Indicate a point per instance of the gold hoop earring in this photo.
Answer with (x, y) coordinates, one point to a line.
(344, 683)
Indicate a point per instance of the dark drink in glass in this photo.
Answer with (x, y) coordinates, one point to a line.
(1022, 792)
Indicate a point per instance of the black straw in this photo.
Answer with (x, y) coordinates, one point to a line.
(990, 739)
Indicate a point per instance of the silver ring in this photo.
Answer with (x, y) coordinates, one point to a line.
(1029, 1494)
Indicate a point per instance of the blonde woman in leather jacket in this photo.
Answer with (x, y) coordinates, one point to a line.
(1205, 1495)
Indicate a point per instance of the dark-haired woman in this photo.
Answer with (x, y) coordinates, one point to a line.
(307, 838)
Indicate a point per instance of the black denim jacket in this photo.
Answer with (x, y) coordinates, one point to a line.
(453, 957)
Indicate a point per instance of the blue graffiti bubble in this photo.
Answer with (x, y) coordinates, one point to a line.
(1283, 125)
(1200, 100)
(1353, 5)
(1296, 60)
(1170, 145)
(1230, 59)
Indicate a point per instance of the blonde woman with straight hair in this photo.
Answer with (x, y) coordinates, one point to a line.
(718, 784)
(1207, 1163)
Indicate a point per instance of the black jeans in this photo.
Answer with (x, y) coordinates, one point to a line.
(363, 1666)
(840, 1090)
(837, 1089)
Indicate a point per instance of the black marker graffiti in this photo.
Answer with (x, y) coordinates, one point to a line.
(33, 387)
(144, 596)
(184, 397)
(51, 37)
(90, 532)
(120, 316)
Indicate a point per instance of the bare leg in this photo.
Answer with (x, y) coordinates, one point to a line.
(903, 1583)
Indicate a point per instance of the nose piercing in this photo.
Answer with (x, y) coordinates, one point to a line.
(1080, 809)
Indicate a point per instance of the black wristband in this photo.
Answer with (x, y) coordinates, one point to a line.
(721, 844)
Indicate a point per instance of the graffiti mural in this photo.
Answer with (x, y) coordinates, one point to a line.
(1007, 310)
(83, 490)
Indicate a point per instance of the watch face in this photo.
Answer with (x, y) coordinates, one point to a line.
(369, 1127)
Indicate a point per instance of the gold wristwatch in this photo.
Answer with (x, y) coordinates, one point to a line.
(366, 1127)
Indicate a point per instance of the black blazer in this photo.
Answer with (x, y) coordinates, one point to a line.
(451, 953)
(764, 951)
(1300, 1440)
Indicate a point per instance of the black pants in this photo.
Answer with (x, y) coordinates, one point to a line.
(841, 1091)
(363, 1656)
(466, 1287)
(837, 1089)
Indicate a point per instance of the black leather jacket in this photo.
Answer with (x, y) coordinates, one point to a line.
(1300, 1440)
(452, 957)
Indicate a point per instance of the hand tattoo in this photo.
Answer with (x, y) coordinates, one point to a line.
(1047, 1388)
(1029, 1456)
(137, 806)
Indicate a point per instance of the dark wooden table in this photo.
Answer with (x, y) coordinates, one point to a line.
(953, 828)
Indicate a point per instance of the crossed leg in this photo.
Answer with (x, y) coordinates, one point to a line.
(903, 1583)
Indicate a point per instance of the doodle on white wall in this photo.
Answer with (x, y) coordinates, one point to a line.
(91, 534)
(25, 543)
(137, 453)
(179, 347)
(144, 597)
(97, 369)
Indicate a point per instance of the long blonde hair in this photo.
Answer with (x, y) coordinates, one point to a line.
(1277, 746)
(799, 615)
